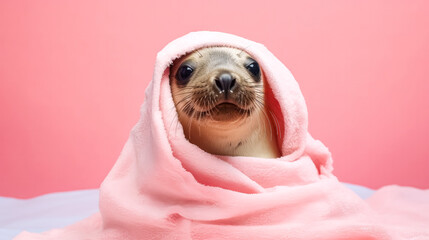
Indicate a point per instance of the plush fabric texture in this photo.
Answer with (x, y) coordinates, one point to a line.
(164, 187)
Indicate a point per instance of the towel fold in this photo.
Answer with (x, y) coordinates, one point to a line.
(164, 187)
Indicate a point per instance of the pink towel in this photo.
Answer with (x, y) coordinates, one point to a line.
(164, 187)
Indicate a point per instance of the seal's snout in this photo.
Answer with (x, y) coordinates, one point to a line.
(225, 83)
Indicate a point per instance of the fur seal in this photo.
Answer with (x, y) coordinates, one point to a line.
(219, 94)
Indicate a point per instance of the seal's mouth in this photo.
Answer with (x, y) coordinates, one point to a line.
(228, 111)
(227, 107)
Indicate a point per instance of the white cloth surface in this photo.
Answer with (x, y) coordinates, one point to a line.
(56, 210)
(45, 212)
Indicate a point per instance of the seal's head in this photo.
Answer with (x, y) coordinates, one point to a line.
(219, 96)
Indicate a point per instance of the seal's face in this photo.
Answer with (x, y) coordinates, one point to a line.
(219, 96)
(217, 84)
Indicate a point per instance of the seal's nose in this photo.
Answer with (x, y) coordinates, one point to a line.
(225, 82)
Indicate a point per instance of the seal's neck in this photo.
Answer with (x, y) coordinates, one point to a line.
(253, 137)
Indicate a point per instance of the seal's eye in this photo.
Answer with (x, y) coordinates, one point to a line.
(183, 74)
(253, 68)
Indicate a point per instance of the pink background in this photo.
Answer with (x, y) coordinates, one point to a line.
(73, 74)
